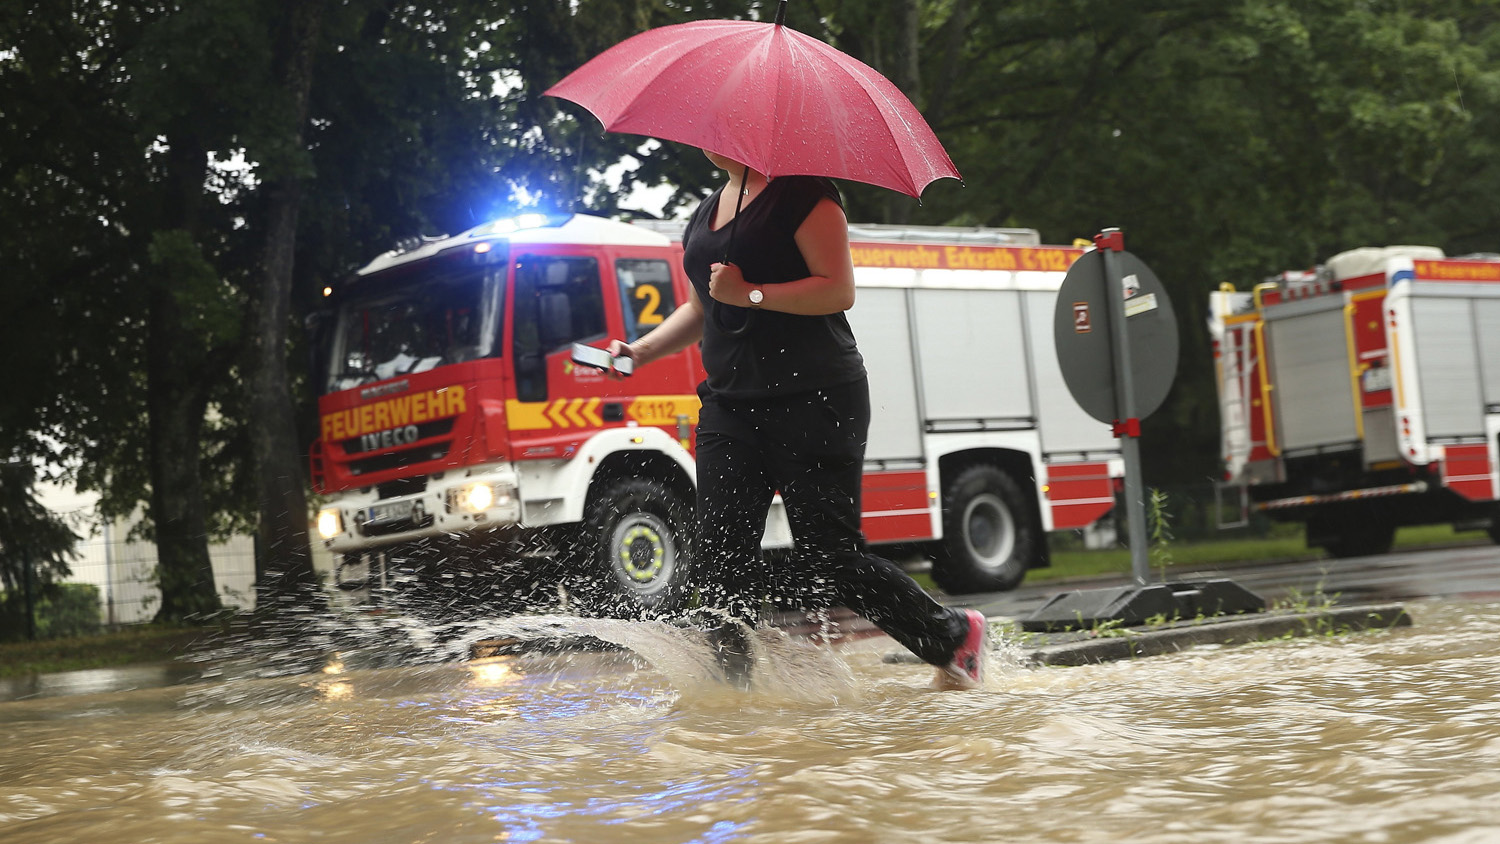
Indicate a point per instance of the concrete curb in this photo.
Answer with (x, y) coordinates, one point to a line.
(1126, 643)
(1087, 647)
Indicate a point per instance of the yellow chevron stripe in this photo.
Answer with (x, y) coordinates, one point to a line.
(591, 413)
(526, 415)
(661, 410)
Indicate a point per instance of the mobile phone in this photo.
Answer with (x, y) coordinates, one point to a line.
(600, 359)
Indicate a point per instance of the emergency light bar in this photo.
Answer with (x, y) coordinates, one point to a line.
(507, 225)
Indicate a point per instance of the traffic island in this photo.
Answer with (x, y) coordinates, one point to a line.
(1106, 644)
(1111, 642)
(1135, 605)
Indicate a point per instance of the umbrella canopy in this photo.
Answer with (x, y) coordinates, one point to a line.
(766, 96)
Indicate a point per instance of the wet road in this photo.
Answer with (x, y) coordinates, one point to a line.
(1387, 736)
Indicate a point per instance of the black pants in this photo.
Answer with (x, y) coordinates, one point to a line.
(810, 447)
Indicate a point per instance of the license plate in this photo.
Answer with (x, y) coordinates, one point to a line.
(390, 511)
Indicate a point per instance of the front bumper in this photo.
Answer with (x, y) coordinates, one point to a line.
(479, 498)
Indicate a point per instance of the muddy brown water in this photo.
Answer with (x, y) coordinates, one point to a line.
(1388, 736)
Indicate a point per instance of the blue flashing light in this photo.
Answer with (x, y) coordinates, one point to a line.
(510, 225)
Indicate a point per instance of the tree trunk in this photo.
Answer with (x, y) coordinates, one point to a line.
(284, 570)
(176, 401)
(175, 407)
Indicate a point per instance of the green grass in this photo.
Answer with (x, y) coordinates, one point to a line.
(129, 646)
(1067, 564)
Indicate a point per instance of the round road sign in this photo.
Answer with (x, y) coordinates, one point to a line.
(1086, 349)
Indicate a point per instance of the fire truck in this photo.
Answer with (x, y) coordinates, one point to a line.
(452, 416)
(1363, 395)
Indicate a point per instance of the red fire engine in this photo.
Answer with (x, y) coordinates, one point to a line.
(451, 408)
(1364, 394)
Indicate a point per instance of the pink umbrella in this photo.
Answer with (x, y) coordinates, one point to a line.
(766, 96)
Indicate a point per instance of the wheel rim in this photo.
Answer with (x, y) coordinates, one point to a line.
(989, 531)
(643, 553)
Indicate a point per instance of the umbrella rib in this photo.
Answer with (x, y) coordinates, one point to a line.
(886, 101)
(629, 110)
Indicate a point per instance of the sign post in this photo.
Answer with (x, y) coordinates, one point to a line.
(1127, 426)
(1117, 348)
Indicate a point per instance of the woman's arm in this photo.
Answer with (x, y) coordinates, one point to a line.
(823, 239)
(682, 328)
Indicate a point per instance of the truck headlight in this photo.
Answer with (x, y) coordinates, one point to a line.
(330, 523)
(478, 497)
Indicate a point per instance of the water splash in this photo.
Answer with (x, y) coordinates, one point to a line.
(324, 647)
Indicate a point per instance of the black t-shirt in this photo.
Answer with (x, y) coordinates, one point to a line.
(781, 354)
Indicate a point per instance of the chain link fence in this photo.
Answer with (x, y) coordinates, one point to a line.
(124, 569)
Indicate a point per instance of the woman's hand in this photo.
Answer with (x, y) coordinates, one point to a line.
(682, 328)
(823, 240)
(726, 284)
(620, 348)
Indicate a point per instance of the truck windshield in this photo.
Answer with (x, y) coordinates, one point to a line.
(414, 324)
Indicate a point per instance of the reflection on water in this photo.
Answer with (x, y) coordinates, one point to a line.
(1381, 737)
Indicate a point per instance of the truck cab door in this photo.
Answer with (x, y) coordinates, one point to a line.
(558, 302)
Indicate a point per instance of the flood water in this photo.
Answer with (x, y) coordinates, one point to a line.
(1377, 737)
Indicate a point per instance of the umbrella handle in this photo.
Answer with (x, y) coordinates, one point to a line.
(716, 307)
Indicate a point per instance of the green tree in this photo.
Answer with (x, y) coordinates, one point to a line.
(121, 180)
(1228, 140)
(182, 179)
(35, 549)
(30, 534)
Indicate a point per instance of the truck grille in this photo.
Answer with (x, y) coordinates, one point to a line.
(398, 459)
(401, 486)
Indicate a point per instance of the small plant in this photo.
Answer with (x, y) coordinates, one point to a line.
(1160, 620)
(1108, 628)
(1159, 530)
(1011, 632)
(1296, 601)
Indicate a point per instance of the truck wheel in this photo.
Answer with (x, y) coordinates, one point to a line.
(636, 531)
(989, 534)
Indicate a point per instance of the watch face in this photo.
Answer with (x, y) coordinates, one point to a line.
(756, 297)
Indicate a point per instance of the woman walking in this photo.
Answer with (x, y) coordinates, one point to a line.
(786, 408)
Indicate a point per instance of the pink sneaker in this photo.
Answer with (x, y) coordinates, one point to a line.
(966, 671)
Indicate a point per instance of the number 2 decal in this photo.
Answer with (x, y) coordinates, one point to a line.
(649, 314)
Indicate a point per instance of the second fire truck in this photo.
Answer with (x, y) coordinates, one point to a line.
(1364, 394)
(453, 418)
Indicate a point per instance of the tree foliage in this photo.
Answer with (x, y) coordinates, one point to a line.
(1229, 140)
(31, 536)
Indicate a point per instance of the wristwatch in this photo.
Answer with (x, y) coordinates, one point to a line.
(756, 297)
